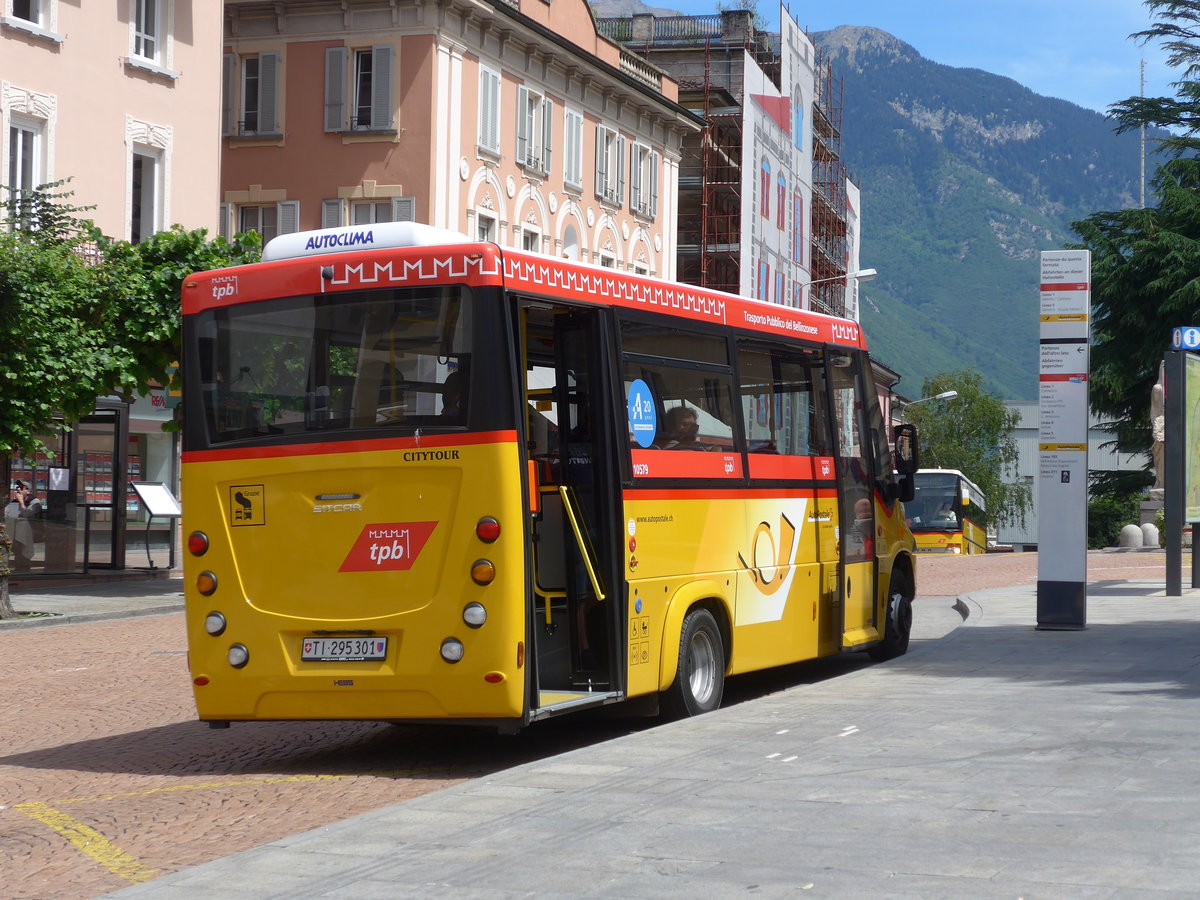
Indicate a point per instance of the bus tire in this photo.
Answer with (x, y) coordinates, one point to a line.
(899, 619)
(700, 677)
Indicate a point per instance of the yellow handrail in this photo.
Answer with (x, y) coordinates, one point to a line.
(584, 547)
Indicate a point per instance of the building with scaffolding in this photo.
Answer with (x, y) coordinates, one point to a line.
(766, 207)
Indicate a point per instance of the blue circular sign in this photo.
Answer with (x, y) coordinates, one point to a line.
(643, 419)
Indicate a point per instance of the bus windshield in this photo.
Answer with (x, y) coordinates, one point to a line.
(393, 359)
(937, 504)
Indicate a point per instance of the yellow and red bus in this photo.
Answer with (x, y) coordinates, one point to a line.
(948, 513)
(432, 480)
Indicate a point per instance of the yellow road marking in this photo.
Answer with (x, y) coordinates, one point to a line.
(90, 842)
(281, 779)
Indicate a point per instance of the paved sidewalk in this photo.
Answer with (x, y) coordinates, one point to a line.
(993, 760)
(84, 602)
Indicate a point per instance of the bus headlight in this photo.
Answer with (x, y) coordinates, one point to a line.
(474, 615)
(452, 650)
(214, 623)
(238, 655)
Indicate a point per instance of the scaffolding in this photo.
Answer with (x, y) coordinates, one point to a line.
(830, 249)
(710, 241)
(710, 191)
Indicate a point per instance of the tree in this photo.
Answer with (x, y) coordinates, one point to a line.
(83, 316)
(1146, 262)
(1178, 32)
(974, 434)
(51, 351)
(141, 285)
(1145, 281)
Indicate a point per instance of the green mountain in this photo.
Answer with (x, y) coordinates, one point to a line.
(965, 177)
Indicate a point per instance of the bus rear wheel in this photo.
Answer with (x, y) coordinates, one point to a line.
(899, 620)
(700, 676)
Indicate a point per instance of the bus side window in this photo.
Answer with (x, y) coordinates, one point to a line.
(782, 400)
(684, 370)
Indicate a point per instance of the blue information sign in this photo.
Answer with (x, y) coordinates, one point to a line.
(1186, 337)
(643, 419)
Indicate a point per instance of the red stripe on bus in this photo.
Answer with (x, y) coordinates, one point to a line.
(324, 448)
(716, 493)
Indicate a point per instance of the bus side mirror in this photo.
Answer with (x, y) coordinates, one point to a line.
(904, 438)
(906, 461)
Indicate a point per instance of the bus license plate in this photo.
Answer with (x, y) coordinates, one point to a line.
(343, 649)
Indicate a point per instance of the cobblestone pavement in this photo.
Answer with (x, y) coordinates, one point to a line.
(106, 779)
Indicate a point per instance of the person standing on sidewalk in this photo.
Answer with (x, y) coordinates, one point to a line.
(19, 514)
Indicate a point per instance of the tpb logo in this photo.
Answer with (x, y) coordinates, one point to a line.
(388, 547)
(224, 286)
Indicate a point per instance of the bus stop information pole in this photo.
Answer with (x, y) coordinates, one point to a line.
(1065, 308)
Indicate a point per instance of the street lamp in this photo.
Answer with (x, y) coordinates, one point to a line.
(860, 275)
(944, 395)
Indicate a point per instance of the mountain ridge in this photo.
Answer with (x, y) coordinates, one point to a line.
(965, 177)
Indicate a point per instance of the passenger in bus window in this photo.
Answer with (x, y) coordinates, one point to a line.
(680, 428)
(454, 396)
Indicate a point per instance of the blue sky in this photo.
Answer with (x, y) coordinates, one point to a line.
(1077, 50)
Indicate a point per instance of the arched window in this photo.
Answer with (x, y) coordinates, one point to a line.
(782, 204)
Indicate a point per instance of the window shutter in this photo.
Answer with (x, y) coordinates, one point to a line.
(289, 216)
(635, 178)
(333, 213)
(621, 153)
(404, 209)
(601, 159)
(335, 88)
(571, 147)
(547, 134)
(489, 110)
(655, 162)
(522, 124)
(223, 221)
(268, 92)
(381, 87)
(228, 69)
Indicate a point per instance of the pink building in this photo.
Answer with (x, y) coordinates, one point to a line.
(119, 97)
(510, 122)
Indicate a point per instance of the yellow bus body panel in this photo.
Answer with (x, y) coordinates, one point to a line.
(767, 568)
(394, 562)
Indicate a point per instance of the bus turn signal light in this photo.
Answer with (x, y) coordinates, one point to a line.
(483, 572)
(206, 583)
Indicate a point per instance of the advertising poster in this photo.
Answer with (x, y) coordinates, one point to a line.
(1191, 459)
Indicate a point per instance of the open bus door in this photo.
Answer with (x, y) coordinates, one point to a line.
(578, 586)
(856, 588)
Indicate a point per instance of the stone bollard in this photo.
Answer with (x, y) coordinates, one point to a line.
(1131, 537)
(1149, 535)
